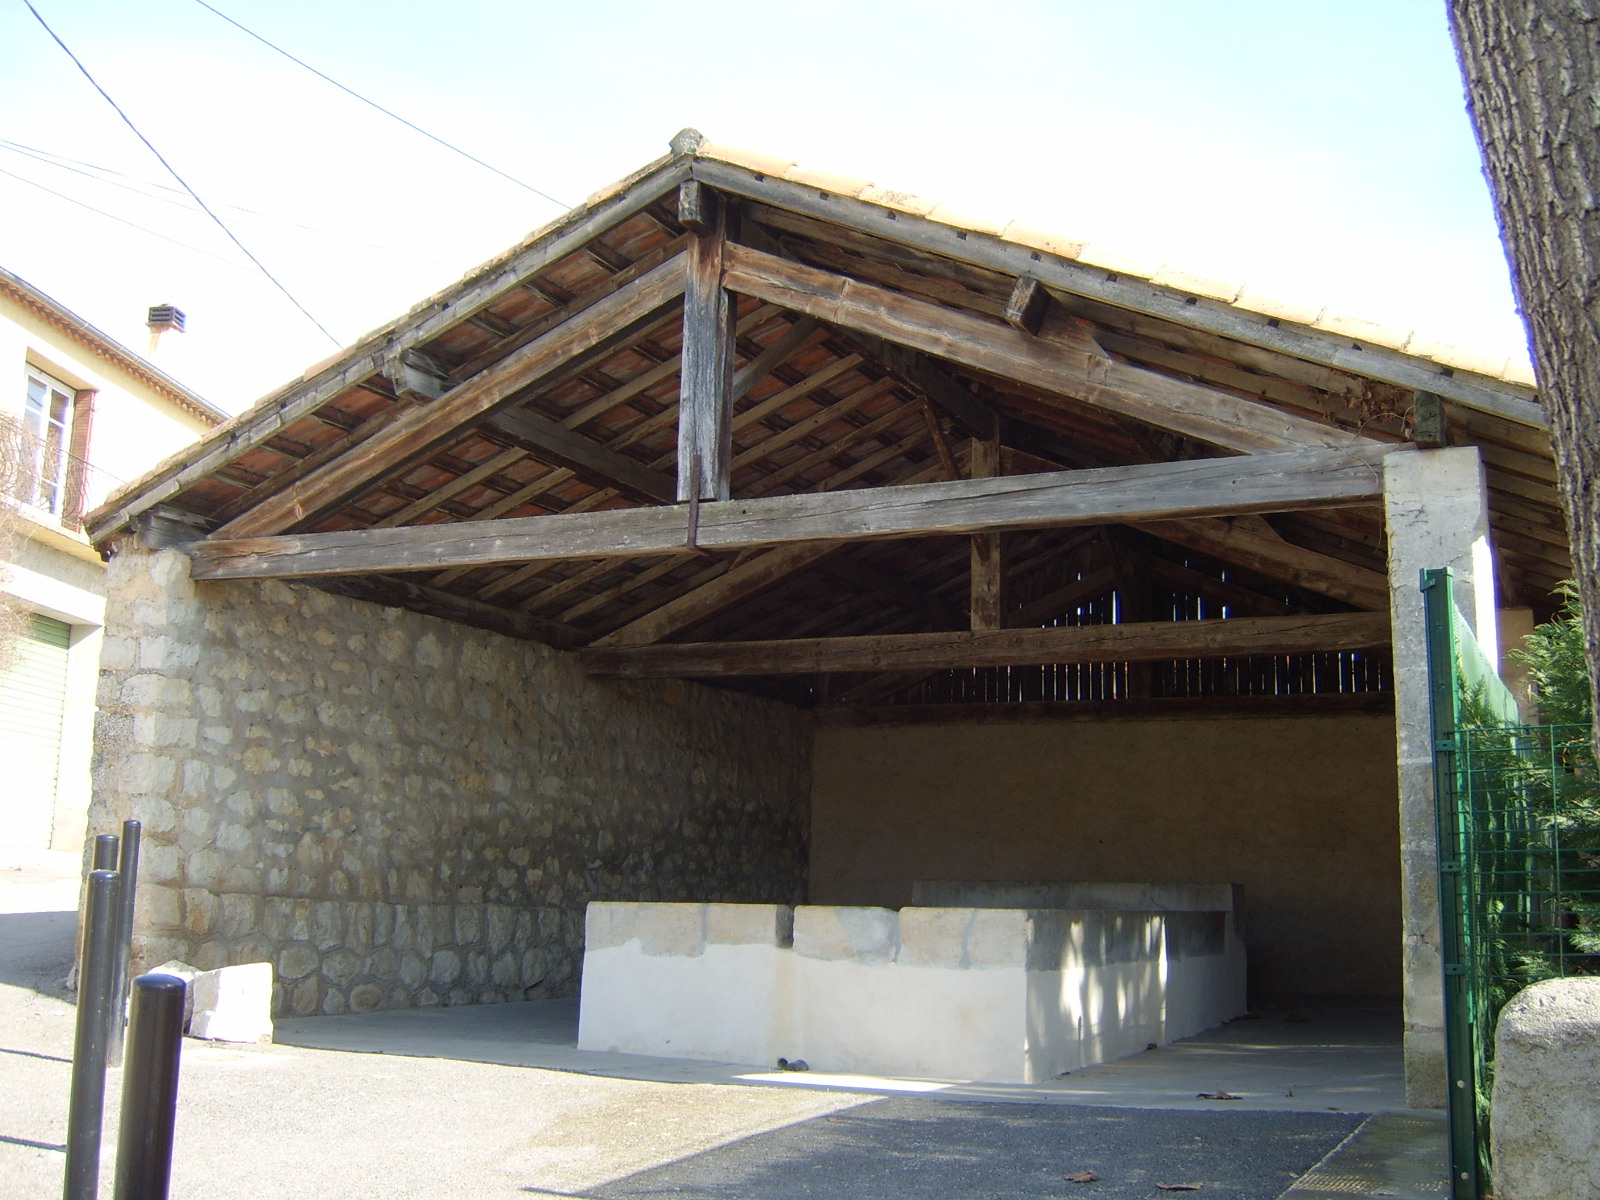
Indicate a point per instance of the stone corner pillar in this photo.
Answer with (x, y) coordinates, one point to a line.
(1436, 515)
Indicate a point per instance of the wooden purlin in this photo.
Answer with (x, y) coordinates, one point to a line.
(1143, 642)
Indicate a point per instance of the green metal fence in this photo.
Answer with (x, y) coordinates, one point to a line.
(1519, 859)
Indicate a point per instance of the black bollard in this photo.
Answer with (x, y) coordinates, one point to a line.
(86, 1107)
(105, 852)
(150, 1088)
(128, 868)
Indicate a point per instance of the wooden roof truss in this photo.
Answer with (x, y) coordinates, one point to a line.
(724, 425)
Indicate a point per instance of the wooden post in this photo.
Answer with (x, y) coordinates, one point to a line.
(987, 599)
(705, 408)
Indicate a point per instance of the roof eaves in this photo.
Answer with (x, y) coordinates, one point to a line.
(1511, 378)
(108, 348)
(324, 380)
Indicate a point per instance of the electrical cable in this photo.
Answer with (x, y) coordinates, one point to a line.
(61, 161)
(123, 220)
(193, 194)
(380, 108)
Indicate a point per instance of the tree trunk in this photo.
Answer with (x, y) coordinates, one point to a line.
(1532, 70)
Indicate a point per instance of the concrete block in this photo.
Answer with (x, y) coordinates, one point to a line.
(868, 935)
(671, 929)
(1545, 1119)
(749, 925)
(233, 1004)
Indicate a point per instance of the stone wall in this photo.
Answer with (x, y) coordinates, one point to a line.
(400, 811)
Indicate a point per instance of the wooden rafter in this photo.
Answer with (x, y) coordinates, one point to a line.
(1217, 417)
(421, 431)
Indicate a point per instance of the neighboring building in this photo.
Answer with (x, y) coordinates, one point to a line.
(90, 414)
(421, 654)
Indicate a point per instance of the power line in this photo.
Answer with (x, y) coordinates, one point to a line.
(381, 108)
(61, 161)
(122, 220)
(193, 194)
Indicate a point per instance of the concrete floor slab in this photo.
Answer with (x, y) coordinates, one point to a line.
(1311, 1059)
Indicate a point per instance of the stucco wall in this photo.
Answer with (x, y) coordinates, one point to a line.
(397, 810)
(1300, 810)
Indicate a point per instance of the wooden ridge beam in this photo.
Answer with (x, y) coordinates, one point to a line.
(1219, 418)
(423, 430)
(1253, 483)
(1150, 641)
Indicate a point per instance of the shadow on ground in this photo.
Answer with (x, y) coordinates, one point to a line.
(38, 950)
(946, 1150)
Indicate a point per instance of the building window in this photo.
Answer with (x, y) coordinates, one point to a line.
(46, 442)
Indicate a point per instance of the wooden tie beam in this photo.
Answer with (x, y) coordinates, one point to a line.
(1161, 491)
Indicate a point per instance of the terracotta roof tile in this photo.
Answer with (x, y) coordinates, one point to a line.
(1362, 330)
(827, 181)
(1514, 370)
(1095, 255)
(1039, 240)
(1198, 285)
(971, 222)
(1278, 308)
(765, 164)
(906, 202)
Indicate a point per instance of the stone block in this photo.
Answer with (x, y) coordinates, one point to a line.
(963, 938)
(749, 924)
(1545, 1119)
(869, 935)
(297, 960)
(233, 1004)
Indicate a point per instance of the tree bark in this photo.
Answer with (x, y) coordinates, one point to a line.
(1532, 71)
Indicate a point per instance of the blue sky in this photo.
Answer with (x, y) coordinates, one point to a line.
(1317, 150)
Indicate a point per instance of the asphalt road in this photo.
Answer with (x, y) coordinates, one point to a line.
(952, 1150)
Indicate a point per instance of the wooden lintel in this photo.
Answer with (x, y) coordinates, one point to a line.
(425, 429)
(1252, 483)
(705, 394)
(1151, 641)
(560, 445)
(1026, 304)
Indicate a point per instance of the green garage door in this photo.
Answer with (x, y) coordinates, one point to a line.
(33, 698)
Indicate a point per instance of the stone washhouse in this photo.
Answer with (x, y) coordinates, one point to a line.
(756, 535)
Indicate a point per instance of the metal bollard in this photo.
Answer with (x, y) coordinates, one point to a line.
(128, 868)
(105, 852)
(86, 1107)
(150, 1088)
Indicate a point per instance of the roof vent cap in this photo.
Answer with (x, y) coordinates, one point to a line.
(164, 317)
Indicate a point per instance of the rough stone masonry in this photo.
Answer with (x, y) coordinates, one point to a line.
(397, 811)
